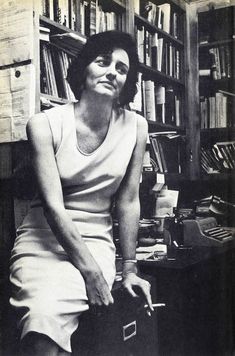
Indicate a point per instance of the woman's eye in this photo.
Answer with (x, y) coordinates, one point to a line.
(122, 70)
(102, 61)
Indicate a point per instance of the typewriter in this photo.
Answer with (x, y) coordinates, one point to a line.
(206, 232)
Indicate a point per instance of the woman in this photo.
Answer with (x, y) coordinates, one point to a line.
(85, 155)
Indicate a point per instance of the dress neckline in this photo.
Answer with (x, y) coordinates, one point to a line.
(102, 143)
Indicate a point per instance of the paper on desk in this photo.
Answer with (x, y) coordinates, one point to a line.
(144, 252)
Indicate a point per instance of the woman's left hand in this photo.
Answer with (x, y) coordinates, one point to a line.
(131, 280)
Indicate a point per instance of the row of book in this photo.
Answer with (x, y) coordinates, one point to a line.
(54, 64)
(166, 152)
(64, 12)
(162, 16)
(218, 158)
(158, 102)
(85, 16)
(216, 62)
(216, 110)
(158, 53)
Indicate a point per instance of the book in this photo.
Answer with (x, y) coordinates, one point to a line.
(137, 103)
(147, 48)
(170, 114)
(227, 152)
(160, 54)
(44, 34)
(154, 50)
(156, 153)
(69, 41)
(165, 9)
(140, 43)
(92, 19)
(160, 95)
(149, 94)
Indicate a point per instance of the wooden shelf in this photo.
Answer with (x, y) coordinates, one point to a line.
(56, 27)
(139, 20)
(47, 99)
(113, 5)
(208, 84)
(207, 45)
(218, 131)
(154, 125)
(154, 74)
(218, 134)
(230, 175)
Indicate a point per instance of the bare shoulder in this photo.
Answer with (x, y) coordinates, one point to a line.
(142, 127)
(38, 130)
(36, 122)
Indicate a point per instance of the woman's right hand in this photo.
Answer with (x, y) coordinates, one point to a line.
(97, 289)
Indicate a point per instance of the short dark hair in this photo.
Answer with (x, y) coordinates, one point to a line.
(103, 43)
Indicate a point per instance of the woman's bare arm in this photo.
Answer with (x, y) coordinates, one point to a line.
(128, 210)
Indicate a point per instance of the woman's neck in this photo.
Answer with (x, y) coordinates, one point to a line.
(94, 110)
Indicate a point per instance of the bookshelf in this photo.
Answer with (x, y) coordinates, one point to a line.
(158, 27)
(173, 76)
(216, 42)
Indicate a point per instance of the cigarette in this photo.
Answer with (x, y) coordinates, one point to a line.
(157, 305)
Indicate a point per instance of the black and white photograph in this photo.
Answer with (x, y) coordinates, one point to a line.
(117, 178)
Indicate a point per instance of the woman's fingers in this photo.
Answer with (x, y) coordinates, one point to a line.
(132, 280)
(98, 291)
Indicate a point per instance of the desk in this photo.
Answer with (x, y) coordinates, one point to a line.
(197, 288)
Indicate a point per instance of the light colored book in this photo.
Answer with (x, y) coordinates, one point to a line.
(166, 10)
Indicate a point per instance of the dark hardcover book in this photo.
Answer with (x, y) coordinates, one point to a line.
(46, 68)
(170, 106)
(154, 50)
(228, 61)
(59, 73)
(212, 159)
(156, 153)
(162, 151)
(57, 11)
(222, 61)
(171, 153)
(92, 17)
(43, 77)
(226, 153)
(231, 153)
(52, 72)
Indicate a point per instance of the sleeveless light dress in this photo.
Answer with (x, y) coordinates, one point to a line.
(48, 291)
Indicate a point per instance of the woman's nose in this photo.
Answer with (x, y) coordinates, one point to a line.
(111, 71)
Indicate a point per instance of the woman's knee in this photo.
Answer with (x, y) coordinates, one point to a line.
(36, 344)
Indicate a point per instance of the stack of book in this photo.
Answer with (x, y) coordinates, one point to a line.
(219, 158)
(160, 103)
(166, 151)
(219, 65)
(85, 16)
(213, 204)
(54, 64)
(161, 16)
(158, 53)
(215, 110)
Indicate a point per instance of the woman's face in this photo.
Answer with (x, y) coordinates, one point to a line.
(107, 73)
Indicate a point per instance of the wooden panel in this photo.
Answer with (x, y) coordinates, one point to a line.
(16, 31)
(192, 93)
(17, 101)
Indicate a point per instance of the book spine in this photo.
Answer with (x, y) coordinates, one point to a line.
(150, 100)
